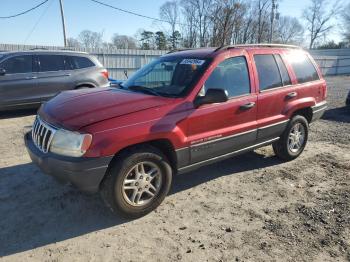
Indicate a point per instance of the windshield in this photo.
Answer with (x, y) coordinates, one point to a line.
(166, 76)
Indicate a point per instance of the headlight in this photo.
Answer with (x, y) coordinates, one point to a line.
(69, 143)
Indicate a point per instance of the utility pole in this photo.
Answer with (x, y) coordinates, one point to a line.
(272, 18)
(63, 25)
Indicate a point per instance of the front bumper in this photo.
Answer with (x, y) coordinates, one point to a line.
(318, 110)
(84, 172)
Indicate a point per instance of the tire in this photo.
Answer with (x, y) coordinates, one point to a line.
(128, 166)
(284, 148)
(83, 87)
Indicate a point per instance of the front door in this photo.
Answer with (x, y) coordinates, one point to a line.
(217, 129)
(18, 84)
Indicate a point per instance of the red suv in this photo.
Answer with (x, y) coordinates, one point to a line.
(184, 110)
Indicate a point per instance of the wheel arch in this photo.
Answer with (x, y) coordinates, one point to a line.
(305, 112)
(162, 144)
(89, 85)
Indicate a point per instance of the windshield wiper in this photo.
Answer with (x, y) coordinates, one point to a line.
(143, 89)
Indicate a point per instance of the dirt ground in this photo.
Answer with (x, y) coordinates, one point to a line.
(248, 208)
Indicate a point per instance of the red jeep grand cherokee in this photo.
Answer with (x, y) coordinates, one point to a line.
(184, 110)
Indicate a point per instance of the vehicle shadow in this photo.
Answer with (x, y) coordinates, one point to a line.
(36, 211)
(18, 113)
(241, 163)
(339, 114)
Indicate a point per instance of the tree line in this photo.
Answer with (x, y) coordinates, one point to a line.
(202, 23)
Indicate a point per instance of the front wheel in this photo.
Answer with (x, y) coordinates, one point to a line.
(137, 182)
(293, 140)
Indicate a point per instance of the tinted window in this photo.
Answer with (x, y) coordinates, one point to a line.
(283, 70)
(231, 75)
(268, 72)
(18, 64)
(78, 62)
(302, 66)
(51, 63)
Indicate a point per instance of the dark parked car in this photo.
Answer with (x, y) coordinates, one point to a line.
(182, 111)
(28, 78)
(348, 100)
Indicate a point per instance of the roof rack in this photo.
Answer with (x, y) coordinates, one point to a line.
(38, 48)
(257, 45)
(67, 49)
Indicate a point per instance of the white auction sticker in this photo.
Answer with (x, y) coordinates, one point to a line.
(192, 62)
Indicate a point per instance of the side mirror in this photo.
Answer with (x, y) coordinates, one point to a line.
(2, 72)
(213, 95)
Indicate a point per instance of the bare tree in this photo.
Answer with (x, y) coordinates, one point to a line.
(189, 31)
(90, 39)
(289, 30)
(318, 17)
(263, 16)
(123, 42)
(346, 23)
(226, 15)
(72, 42)
(169, 12)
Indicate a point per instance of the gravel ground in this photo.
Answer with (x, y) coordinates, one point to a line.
(249, 208)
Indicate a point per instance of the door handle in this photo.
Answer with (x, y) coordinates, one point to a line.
(291, 95)
(247, 106)
(31, 77)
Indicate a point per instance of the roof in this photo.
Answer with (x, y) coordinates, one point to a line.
(44, 51)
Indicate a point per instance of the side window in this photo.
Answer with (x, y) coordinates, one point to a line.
(81, 62)
(283, 70)
(231, 75)
(302, 67)
(68, 63)
(18, 64)
(268, 72)
(51, 63)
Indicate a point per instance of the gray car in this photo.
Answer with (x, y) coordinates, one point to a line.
(28, 78)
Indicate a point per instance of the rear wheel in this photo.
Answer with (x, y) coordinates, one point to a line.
(293, 140)
(137, 182)
(83, 87)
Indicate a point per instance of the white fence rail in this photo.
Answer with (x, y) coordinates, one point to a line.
(331, 61)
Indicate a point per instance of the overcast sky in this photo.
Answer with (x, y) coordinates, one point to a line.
(43, 25)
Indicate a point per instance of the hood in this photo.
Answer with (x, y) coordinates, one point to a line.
(76, 109)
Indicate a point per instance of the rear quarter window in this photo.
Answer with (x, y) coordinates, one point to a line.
(302, 66)
(80, 62)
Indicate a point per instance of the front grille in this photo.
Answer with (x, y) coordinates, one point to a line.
(42, 134)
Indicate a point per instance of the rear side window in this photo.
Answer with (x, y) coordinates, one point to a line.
(302, 66)
(283, 70)
(18, 64)
(50, 63)
(268, 72)
(231, 75)
(78, 62)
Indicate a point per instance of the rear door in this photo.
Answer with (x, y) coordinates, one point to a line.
(218, 129)
(18, 85)
(276, 90)
(52, 75)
